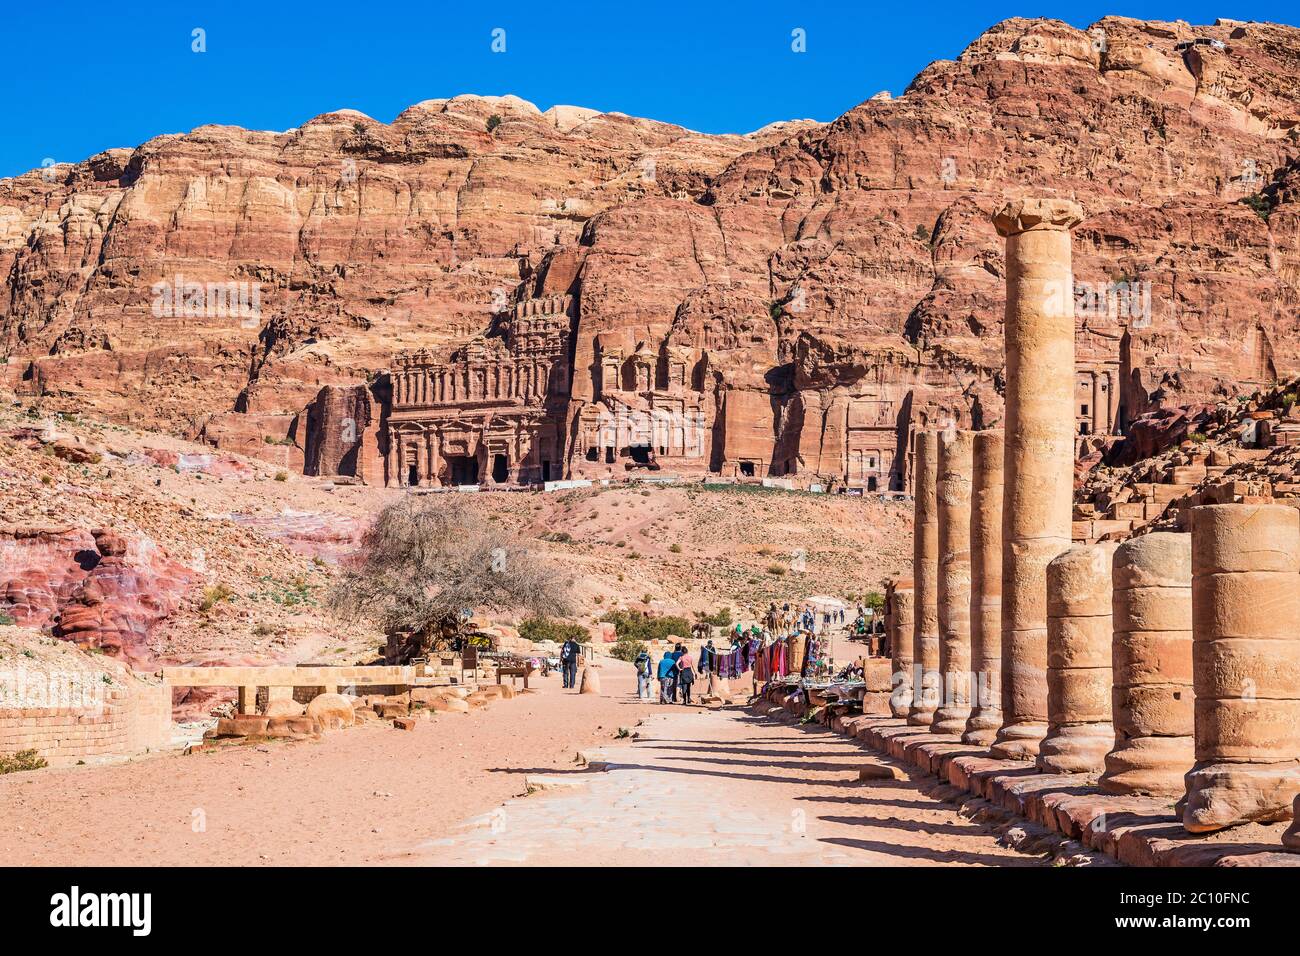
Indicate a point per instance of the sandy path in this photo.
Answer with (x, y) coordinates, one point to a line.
(356, 796)
(723, 788)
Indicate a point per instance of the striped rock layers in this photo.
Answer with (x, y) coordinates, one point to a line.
(925, 583)
(1245, 665)
(1151, 659)
(1039, 453)
(953, 494)
(985, 589)
(1079, 731)
(901, 621)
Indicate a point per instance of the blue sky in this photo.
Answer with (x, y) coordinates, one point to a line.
(83, 77)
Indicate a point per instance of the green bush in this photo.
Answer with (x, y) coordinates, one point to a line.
(23, 760)
(719, 618)
(545, 629)
(626, 650)
(6, 619)
(638, 626)
(874, 600)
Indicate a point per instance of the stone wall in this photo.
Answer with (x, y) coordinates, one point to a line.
(71, 707)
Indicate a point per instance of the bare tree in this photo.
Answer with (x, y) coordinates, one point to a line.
(428, 558)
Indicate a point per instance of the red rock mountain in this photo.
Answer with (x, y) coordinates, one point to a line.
(481, 291)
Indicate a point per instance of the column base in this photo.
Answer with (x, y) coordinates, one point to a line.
(920, 717)
(1018, 741)
(982, 727)
(1080, 748)
(1222, 795)
(900, 701)
(950, 720)
(1148, 767)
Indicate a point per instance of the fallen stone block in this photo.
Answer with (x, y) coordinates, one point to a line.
(244, 725)
(880, 771)
(449, 705)
(293, 728)
(539, 783)
(404, 723)
(333, 711)
(285, 708)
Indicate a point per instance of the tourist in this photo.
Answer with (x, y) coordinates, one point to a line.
(667, 664)
(685, 674)
(569, 655)
(644, 673)
(676, 655)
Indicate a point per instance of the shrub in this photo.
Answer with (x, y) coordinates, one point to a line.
(547, 629)
(22, 760)
(626, 649)
(719, 618)
(874, 600)
(7, 619)
(922, 233)
(493, 122)
(213, 595)
(639, 626)
(1260, 204)
(1199, 437)
(281, 476)
(776, 569)
(675, 548)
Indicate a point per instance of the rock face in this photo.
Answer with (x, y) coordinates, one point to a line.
(99, 589)
(582, 294)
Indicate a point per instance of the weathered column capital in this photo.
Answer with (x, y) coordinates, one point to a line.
(1037, 213)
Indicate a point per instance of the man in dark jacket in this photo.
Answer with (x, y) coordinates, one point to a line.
(570, 653)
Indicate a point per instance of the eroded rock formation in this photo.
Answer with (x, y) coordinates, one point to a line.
(794, 302)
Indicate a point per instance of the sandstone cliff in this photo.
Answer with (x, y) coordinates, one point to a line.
(807, 295)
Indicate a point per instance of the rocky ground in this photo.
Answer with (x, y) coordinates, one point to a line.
(158, 550)
(697, 788)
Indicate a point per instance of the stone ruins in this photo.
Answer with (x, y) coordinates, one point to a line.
(1136, 672)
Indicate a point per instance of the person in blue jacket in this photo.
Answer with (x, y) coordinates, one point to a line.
(667, 678)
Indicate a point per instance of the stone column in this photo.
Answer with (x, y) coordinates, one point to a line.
(1039, 453)
(986, 590)
(953, 493)
(394, 463)
(1098, 414)
(1079, 730)
(925, 583)
(1112, 406)
(1245, 665)
(1151, 661)
(902, 617)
